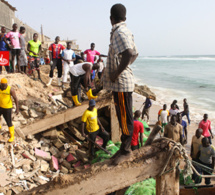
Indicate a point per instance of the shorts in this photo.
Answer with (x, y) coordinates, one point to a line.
(33, 63)
(163, 125)
(23, 58)
(146, 111)
(15, 52)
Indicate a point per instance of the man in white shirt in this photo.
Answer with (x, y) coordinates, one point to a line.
(163, 116)
(173, 110)
(68, 56)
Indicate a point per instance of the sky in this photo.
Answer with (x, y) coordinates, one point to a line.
(160, 27)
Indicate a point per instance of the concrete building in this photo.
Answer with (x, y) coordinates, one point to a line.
(8, 18)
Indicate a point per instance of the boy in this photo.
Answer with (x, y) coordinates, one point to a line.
(23, 57)
(14, 37)
(94, 127)
(138, 130)
(163, 116)
(68, 56)
(206, 156)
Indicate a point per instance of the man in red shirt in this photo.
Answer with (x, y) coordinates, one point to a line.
(205, 125)
(138, 130)
(55, 50)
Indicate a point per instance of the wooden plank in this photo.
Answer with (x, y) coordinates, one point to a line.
(60, 118)
(115, 128)
(103, 178)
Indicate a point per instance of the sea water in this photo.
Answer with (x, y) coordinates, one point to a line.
(179, 77)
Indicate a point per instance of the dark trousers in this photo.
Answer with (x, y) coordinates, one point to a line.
(202, 171)
(134, 147)
(187, 115)
(7, 114)
(123, 105)
(99, 75)
(209, 139)
(75, 83)
(58, 63)
(93, 136)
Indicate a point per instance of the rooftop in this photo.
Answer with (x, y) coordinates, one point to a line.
(9, 5)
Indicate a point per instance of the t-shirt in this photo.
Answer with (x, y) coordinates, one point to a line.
(56, 50)
(3, 45)
(90, 118)
(101, 66)
(14, 38)
(148, 103)
(22, 41)
(206, 154)
(173, 112)
(196, 142)
(138, 128)
(205, 126)
(186, 108)
(34, 46)
(163, 115)
(173, 131)
(184, 125)
(78, 70)
(77, 58)
(91, 55)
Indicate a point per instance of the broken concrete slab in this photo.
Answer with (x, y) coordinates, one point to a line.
(54, 151)
(26, 154)
(64, 169)
(44, 166)
(58, 143)
(33, 113)
(42, 155)
(51, 133)
(76, 133)
(82, 155)
(66, 164)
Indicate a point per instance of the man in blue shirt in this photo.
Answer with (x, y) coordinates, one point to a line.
(184, 125)
(146, 108)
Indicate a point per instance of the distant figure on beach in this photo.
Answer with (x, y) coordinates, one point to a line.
(55, 50)
(118, 77)
(184, 125)
(174, 103)
(186, 111)
(14, 37)
(23, 57)
(4, 46)
(91, 54)
(147, 105)
(163, 116)
(205, 124)
(68, 56)
(101, 66)
(138, 131)
(206, 157)
(34, 48)
(173, 110)
(195, 145)
(174, 130)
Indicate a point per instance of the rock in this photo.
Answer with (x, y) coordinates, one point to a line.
(66, 164)
(58, 143)
(42, 155)
(44, 166)
(63, 169)
(52, 134)
(54, 164)
(36, 164)
(82, 155)
(25, 114)
(23, 107)
(30, 137)
(33, 113)
(54, 151)
(26, 168)
(71, 158)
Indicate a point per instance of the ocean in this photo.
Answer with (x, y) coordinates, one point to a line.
(179, 77)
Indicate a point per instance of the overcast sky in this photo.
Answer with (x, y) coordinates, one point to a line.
(160, 27)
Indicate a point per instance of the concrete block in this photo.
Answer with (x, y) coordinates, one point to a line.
(23, 107)
(33, 113)
(51, 133)
(54, 166)
(82, 155)
(64, 169)
(43, 155)
(66, 164)
(64, 154)
(54, 151)
(36, 164)
(26, 154)
(44, 166)
(26, 168)
(76, 132)
(58, 143)
(45, 148)
(73, 148)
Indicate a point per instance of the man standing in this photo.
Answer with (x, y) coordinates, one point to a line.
(173, 130)
(55, 50)
(184, 125)
(34, 48)
(91, 54)
(3, 46)
(163, 116)
(186, 111)
(14, 37)
(6, 105)
(119, 79)
(23, 57)
(68, 56)
(138, 130)
(205, 125)
(94, 127)
(101, 66)
(146, 108)
(80, 74)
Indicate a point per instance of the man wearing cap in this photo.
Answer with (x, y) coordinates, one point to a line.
(6, 105)
(94, 127)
